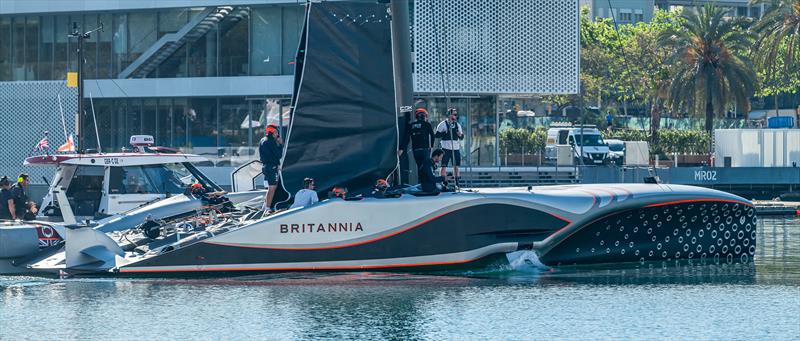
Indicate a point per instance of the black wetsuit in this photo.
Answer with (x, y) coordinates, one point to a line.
(427, 179)
(5, 195)
(420, 132)
(270, 152)
(20, 200)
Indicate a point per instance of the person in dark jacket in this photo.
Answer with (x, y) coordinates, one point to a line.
(427, 179)
(420, 132)
(270, 151)
(6, 201)
(19, 196)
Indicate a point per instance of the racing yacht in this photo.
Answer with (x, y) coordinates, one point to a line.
(344, 132)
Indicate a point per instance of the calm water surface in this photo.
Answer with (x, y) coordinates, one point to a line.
(759, 301)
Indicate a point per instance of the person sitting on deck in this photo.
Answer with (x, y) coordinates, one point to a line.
(216, 199)
(427, 180)
(306, 196)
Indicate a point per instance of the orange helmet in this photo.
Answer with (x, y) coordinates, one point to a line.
(381, 183)
(272, 128)
(196, 186)
(339, 192)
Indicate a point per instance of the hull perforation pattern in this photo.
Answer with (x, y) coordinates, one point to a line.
(714, 232)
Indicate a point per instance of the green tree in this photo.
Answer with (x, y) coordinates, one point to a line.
(712, 69)
(776, 51)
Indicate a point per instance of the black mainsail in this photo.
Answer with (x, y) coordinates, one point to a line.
(344, 123)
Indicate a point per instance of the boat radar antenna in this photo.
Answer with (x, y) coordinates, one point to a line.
(140, 143)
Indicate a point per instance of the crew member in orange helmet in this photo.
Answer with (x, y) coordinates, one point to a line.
(270, 151)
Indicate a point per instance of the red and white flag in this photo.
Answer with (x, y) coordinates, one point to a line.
(43, 144)
(68, 146)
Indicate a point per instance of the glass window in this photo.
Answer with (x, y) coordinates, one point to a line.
(86, 190)
(171, 20)
(175, 65)
(129, 180)
(234, 127)
(46, 41)
(149, 119)
(181, 119)
(31, 47)
(171, 178)
(203, 55)
(133, 118)
(589, 140)
(18, 55)
(482, 132)
(142, 33)
(201, 119)
(165, 135)
(119, 43)
(61, 53)
(104, 112)
(292, 25)
(89, 46)
(5, 48)
(265, 54)
(234, 35)
(104, 47)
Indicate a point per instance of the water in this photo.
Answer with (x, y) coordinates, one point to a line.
(665, 301)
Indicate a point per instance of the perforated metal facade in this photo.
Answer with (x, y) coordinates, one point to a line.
(497, 46)
(28, 110)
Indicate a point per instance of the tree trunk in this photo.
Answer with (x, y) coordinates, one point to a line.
(655, 122)
(709, 114)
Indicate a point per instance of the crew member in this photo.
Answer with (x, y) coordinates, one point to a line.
(306, 196)
(451, 134)
(19, 196)
(217, 199)
(6, 201)
(270, 152)
(380, 188)
(420, 132)
(338, 192)
(427, 179)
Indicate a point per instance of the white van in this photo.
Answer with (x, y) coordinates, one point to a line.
(583, 139)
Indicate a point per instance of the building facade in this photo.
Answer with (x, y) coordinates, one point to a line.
(206, 76)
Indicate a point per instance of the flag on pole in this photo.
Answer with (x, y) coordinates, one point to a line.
(68, 146)
(42, 145)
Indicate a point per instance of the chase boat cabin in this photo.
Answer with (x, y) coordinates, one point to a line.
(93, 186)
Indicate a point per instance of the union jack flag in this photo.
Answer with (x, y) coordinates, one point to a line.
(43, 144)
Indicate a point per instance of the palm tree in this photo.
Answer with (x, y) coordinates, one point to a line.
(712, 69)
(777, 49)
(780, 25)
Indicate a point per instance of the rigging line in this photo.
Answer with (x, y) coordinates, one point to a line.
(622, 54)
(442, 69)
(627, 66)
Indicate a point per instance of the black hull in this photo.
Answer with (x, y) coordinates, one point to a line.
(711, 230)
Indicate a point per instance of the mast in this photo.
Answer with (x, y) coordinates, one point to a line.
(76, 33)
(404, 89)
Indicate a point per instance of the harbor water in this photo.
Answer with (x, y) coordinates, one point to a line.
(654, 301)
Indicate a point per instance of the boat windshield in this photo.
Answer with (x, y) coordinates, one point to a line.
(589, 140)
(172, 178)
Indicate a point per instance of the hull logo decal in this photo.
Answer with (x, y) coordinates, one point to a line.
(321, 228)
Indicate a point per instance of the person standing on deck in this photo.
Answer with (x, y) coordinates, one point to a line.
(420, 132)
(451, 134)
(270, 151)
(6, 200)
